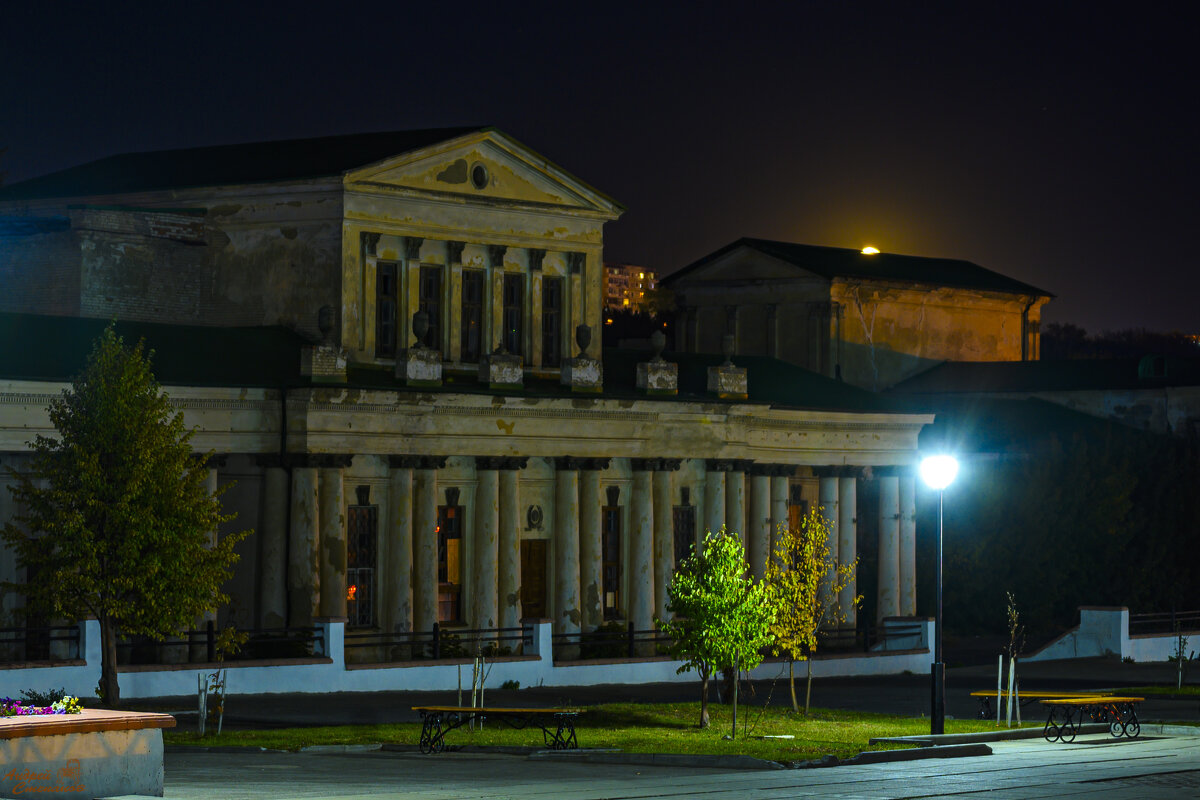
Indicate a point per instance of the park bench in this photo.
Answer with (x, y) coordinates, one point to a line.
(557, 724)
(1025, 698)
(1065, 716)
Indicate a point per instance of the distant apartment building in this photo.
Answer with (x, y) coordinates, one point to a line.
(625, 286)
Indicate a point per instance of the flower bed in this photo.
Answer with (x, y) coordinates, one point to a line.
(15, 708)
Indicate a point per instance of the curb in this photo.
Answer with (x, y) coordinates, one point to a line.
(659, 759)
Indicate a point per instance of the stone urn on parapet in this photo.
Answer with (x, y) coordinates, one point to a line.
(658, 376)
(419, 365)
(324, 362)
(727, 381)
(583, 374)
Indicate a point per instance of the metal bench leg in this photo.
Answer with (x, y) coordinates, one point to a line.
(1052, 732)
(433, 738)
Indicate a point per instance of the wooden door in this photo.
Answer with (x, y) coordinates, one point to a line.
(533, 578)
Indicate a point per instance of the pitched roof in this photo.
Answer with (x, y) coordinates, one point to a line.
(253, 162)
(978, 377)
(37, 347)
(840, 262)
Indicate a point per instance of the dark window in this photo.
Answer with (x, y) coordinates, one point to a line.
(514, 297)
(684, 522)
(385, 310)
(450, 563)
(552, 302)
(472, 314)
(431, 303)
(361, 550)
(610, 559)
(797, 508)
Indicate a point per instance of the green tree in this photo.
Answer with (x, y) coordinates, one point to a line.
(117, 519)
(805, 584)
(721, 616)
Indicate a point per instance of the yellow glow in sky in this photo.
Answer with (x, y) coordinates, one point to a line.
(870, 251)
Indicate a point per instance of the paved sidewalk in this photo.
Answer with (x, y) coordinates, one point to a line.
(1150, 768)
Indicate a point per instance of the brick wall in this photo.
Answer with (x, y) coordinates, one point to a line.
(39, 269)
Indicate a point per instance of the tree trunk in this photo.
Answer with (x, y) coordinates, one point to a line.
(808, 688)
(703, 698)
(792, 684)
(110, 690)
(733, 735)
(727, 681)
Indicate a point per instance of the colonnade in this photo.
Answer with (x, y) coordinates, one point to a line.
(749, 498)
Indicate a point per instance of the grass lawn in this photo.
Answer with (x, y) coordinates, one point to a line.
(637, 728)
(1140, 691)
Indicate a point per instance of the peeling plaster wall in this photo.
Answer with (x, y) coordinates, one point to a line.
(890, 333)
(39, 273)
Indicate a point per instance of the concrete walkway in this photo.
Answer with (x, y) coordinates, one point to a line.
(1150, 768)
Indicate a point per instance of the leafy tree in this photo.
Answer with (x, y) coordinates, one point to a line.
(805, 583)
(117, 519)
(721, 616)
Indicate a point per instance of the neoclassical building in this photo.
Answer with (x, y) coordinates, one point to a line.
(384, 340)
(870, 318)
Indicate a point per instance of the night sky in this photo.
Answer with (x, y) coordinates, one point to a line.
(1057, 147)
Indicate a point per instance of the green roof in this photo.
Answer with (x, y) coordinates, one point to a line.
(36, 347)
(255, 162)
(969, 377)
(840, 262)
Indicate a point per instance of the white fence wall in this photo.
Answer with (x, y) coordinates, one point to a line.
(1104, 631)
(332, 674)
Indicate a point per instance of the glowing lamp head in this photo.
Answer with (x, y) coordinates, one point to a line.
(938, 472)
(870, 251)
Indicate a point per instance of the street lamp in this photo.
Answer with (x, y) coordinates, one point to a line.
(938, 472)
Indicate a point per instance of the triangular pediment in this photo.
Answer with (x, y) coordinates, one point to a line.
(485, 165)
(746, 264)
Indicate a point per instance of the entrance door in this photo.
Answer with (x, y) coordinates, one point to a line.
(533, 578)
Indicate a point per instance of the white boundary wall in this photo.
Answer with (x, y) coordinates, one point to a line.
(1104, 631)
(332, 674)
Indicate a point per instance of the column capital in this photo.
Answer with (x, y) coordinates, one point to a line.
(317, 460)
(269, 460)
(655, 464)
(412, 246)
(213, 460)
(891, 471)
(431, 462)
(496, 254)
(842, 471)
(489, 462)
(454, 251)
(369, 241)
(514, 462)
(569, 463)
(595, 464)
(727, 464)
(575, 261)
(536, 257)
(403, 462)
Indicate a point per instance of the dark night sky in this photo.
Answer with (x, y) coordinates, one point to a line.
(1057, 147)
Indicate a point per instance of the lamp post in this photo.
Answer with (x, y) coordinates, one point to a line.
(938, 472)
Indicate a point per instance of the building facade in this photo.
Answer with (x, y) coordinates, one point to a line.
(414, 418)
(626, 285)
(870, 319)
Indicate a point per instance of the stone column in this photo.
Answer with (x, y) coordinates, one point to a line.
(908, 545)
(848, 544)
(758, 534)
(827, 497)
(397, 548)
(272, 563)
(641, 549)
(333, 535)
(304, 574)
(779, 504)
(175, 650)
(425, 543)
(509, 563)
(664, 532)
(590, 552)
(566, 614)
(888, 604)
(735, 498)
(714, 497)
(486, 546)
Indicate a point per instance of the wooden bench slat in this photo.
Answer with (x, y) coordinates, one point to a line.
(1036, 695)
(496, 710)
